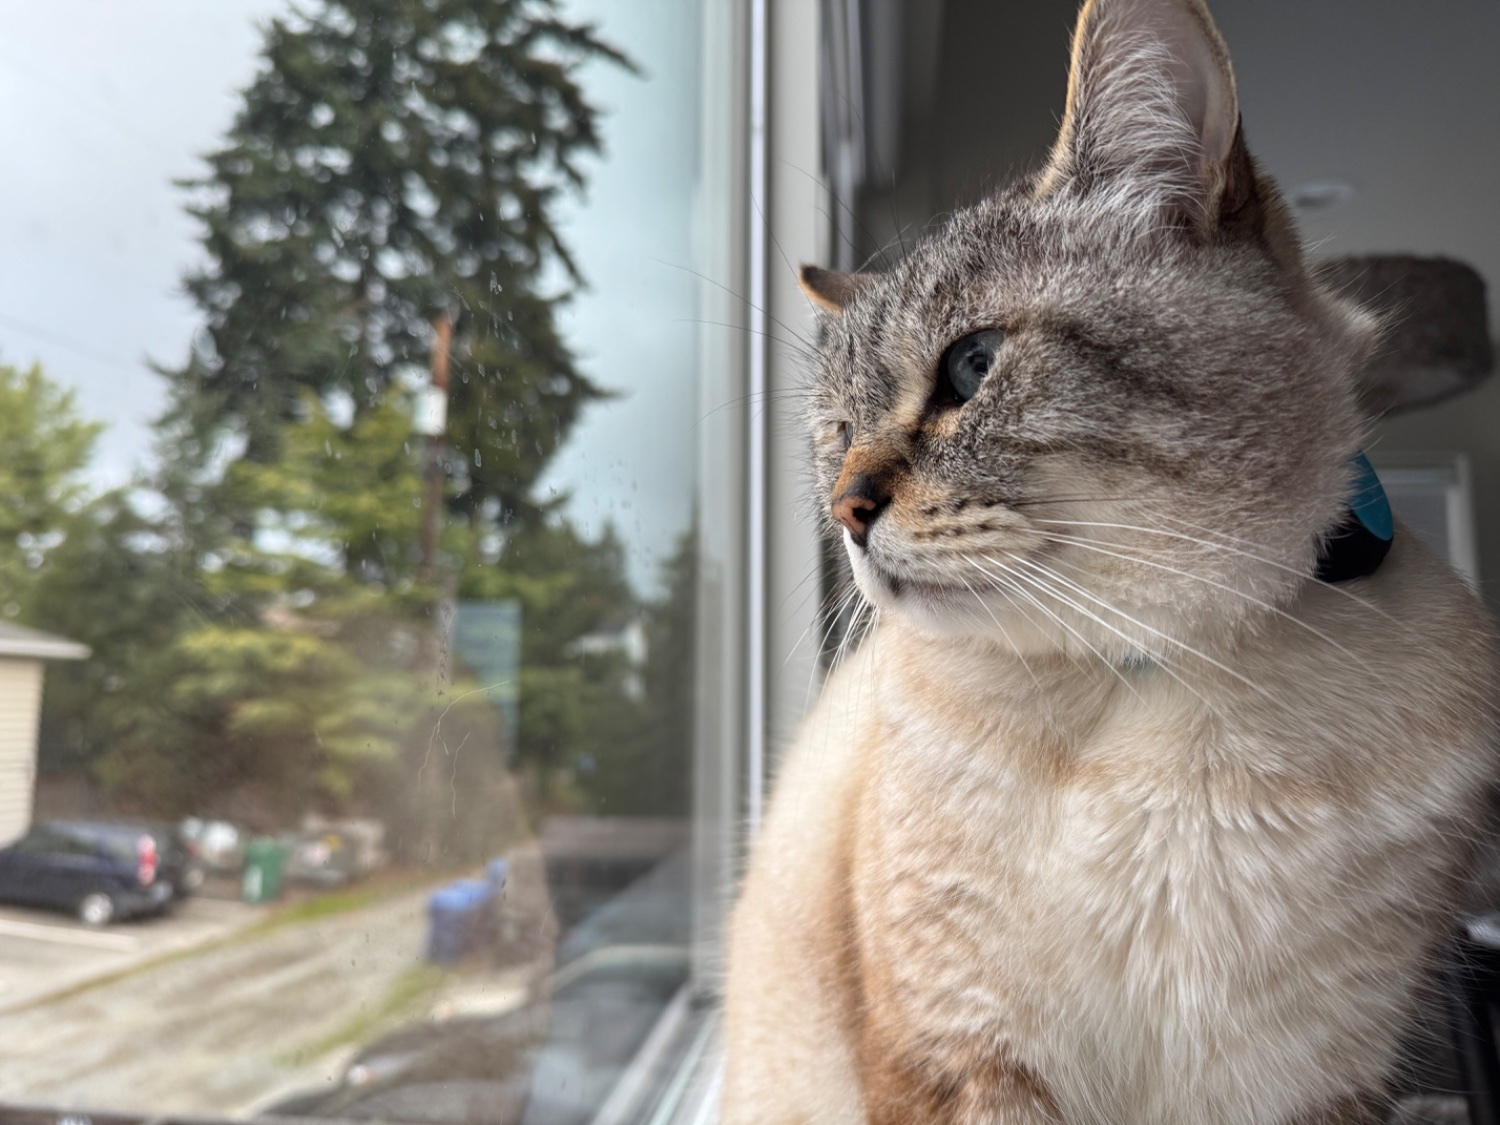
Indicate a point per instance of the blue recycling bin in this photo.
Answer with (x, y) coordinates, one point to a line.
(458, 918)
(497, 871)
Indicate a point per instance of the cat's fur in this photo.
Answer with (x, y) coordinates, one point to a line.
(1118, 816)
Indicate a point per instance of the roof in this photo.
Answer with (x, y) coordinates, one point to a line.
(17, 641)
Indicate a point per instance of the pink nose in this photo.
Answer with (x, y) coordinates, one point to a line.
(858, 505)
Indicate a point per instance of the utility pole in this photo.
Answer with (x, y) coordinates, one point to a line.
(430, 419)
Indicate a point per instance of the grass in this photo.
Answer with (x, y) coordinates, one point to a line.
(373, 891)
(411, 992)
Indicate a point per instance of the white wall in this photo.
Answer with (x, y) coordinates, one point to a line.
(20, 703)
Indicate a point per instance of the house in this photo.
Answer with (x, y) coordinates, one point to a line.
(23, 653)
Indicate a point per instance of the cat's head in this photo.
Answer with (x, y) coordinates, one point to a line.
(1108, 405)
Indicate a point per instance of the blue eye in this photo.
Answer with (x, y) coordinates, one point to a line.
(969, 359)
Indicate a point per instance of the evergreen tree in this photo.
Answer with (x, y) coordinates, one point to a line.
(44, 448)
(395, 160)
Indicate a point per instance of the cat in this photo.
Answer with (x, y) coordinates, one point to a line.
(1151, 793)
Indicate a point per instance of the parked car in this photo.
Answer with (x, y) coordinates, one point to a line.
(220, 845)
(179, 857)
(100, 872)
(324, 857)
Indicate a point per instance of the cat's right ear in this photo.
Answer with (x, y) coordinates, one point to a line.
(1152, 119)
(829, 290)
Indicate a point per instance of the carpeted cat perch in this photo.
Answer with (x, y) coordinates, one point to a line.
(1438, 344)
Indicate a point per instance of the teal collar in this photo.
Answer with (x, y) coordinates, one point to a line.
(1358, 543)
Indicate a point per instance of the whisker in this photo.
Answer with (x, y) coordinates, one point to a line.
(1033, 501)
(1010, 594)
(1228, 549)
(1094, 545)
(823, 614)
(797, 349)
(1162, 664)
(1003, 631)
(1074, 586)
(1011, 576)
(741, 298)
(844, 207)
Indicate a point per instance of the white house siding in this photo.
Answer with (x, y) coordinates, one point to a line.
(20, 704)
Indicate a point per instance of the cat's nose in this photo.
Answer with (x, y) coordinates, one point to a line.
(858, 504)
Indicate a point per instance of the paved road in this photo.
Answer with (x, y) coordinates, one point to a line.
(43, 953)
(218, 1031)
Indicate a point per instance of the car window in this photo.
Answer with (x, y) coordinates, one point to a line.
(122, 847)
(47, 841)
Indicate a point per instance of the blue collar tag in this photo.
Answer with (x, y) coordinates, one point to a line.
(1358, 543)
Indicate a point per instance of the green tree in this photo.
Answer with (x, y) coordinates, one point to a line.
(44, 448)
(68, 562)
(576, 704)
(114, 584)
(640, 756)
(293, 675)
(394, 160)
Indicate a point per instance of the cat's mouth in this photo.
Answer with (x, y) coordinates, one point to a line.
(899, 586)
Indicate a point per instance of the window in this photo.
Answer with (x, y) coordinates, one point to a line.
(399, 508)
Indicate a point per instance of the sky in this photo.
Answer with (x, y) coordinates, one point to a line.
(103, 105)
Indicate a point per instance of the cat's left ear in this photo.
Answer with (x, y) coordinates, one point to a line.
(1152, 116)
(829, 290)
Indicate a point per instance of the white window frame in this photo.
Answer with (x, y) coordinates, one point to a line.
(760, 577)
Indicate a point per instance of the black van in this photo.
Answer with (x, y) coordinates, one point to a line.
(100, 872)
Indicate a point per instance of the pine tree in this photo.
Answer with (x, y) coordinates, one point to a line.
(395, 160)
(44, 448)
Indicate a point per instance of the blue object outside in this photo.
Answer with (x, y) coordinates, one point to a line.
(460, 916)
(497, 871)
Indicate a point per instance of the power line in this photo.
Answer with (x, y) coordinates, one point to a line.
(62, 341)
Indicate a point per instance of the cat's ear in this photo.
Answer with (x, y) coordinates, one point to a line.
(829, 290)
(1152, 116)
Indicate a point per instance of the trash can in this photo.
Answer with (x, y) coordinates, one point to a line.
(458, 919)
(264, 861)
(496, 871)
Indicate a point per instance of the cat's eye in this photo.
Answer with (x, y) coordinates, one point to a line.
(969, 359)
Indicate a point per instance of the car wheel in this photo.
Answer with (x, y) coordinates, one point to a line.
(96, 909)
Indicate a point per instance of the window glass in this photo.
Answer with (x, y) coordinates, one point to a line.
(352, 360)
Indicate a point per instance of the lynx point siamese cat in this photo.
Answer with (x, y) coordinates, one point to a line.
(1151, 794)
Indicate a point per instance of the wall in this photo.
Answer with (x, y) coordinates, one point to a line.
(20, 703)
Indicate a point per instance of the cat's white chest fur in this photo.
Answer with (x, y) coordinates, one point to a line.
(1169, 903)
(1174, 910)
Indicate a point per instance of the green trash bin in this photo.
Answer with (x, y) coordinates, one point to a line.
(264, 860)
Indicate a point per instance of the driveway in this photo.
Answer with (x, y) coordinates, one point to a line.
(42, 954)
(219, 1030)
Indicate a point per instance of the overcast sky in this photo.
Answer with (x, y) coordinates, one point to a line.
(103, 104)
